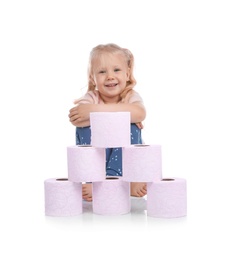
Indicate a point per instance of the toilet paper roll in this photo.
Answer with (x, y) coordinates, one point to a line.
(86, 163)
(167, 198)
(110, 129)
(111, 197)
(142, 163)
(62, 198)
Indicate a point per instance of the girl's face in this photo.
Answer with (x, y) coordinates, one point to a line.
(110, 74)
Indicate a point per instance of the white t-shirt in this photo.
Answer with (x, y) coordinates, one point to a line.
(93, 97)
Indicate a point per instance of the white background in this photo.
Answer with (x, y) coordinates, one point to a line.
(182, 65)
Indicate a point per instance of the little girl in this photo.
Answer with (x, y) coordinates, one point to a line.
(110, 89)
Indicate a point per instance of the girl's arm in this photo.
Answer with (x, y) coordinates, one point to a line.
(79, 115)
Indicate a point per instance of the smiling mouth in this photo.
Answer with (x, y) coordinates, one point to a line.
(111, 85)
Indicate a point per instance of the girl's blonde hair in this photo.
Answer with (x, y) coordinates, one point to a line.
(113, 49)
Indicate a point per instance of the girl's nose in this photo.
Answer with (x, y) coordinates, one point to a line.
(110, 75)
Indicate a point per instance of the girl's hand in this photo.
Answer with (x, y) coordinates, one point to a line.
(140, 125)
(79, 115)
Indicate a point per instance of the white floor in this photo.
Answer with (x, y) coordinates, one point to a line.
(26, 232)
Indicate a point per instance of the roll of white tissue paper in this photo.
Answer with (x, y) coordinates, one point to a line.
(86, 163)
(167, 198)
(142, 163)
(110, 129)
(111, 197)
(63, 198)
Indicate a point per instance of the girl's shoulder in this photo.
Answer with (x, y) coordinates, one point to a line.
(94, 96)
(91, 97)
(134, 96)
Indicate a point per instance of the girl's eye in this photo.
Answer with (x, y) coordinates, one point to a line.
(117, 70)
(102, 71)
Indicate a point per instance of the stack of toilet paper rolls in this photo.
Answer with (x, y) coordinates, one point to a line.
(166, 197)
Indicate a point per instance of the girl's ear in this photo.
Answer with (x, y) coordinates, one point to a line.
(92, 80)
(128, 75)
